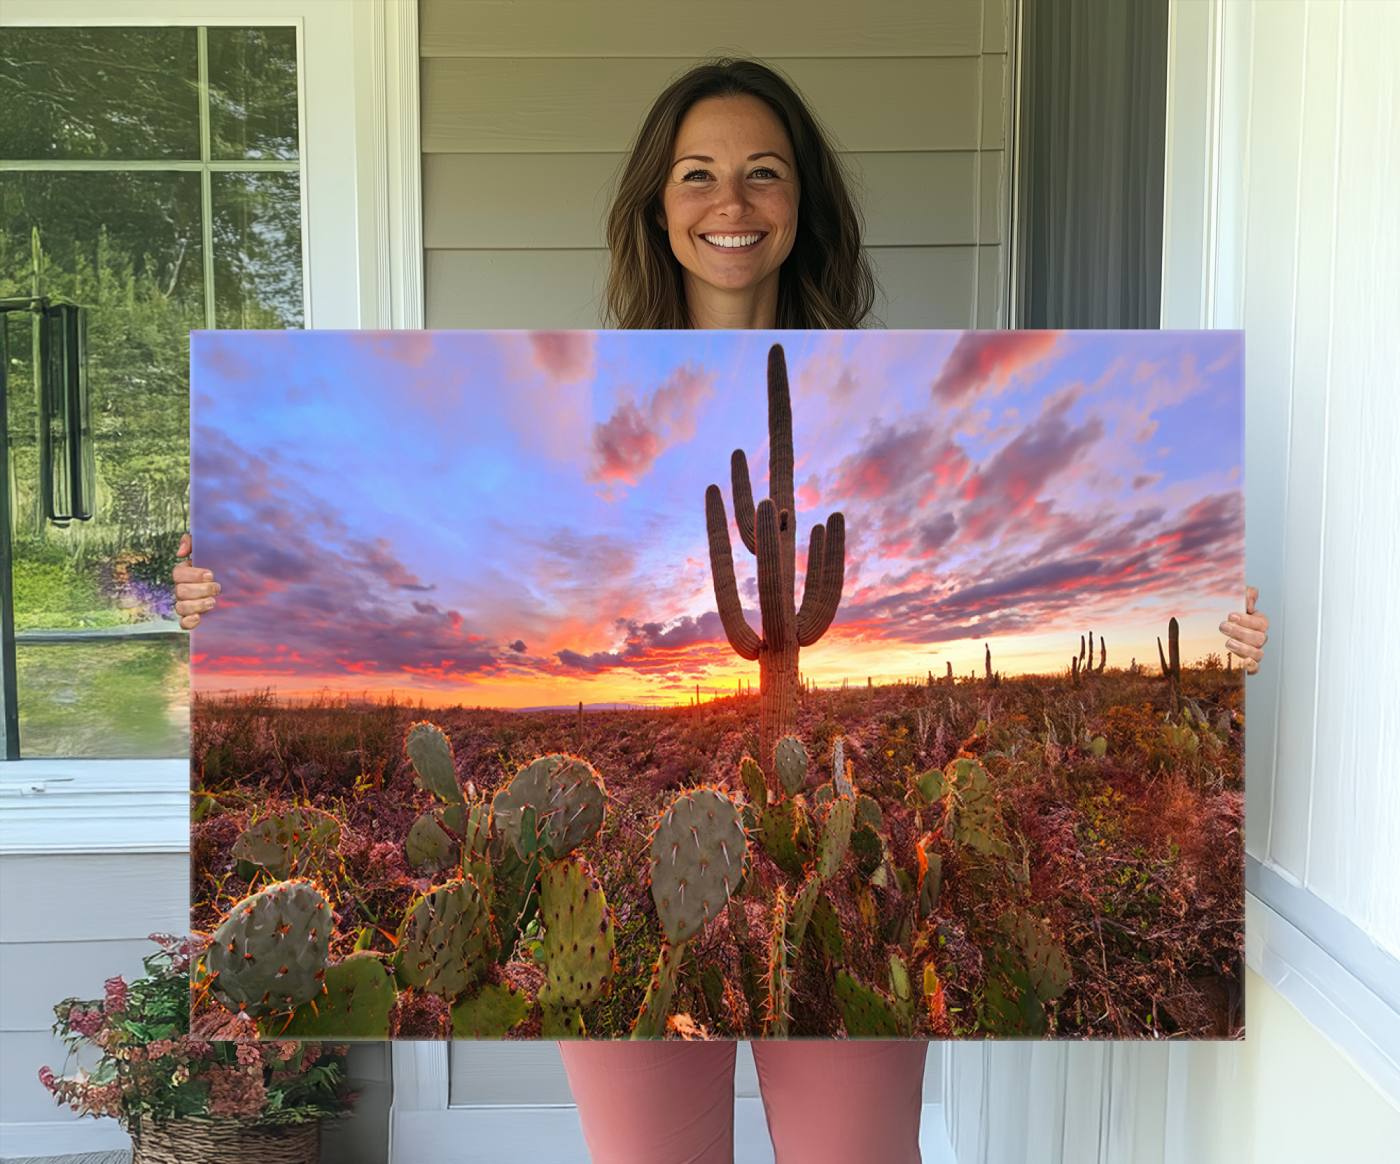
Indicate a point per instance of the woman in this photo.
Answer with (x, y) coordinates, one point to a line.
(732, 212)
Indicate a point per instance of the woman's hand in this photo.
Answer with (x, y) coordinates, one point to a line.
(1245, 634)
(194, 588)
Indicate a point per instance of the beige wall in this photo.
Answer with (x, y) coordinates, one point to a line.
(528, 107)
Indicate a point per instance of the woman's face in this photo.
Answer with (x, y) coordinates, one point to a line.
(732, 177)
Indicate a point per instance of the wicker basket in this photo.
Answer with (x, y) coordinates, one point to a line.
(205, 1140)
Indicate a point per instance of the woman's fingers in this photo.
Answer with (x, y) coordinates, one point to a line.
(197, 589)
(189, 621)
(1248, 629)
(196, 606)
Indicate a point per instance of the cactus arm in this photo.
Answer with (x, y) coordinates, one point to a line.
(833, 573)
(743, 498)
(1162, 658)
(741, 636)
(812, 583)
(775, 606)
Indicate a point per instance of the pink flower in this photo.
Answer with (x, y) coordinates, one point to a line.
(159, 1048)
(196, 1048)
(46, 1077)
(234, 1091)
(116, 995)
(249, 1055)
(85, 1022)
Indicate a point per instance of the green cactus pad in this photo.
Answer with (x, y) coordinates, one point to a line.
(269, 954)
(355, 1004)
(975, 818)
(867, 1013)
(578, 936)
(800, 912)
(490, 1012)
(755, 787)
(286, 843)
(650, 1022)
(930, 786)
(428, 846)
(790, 760)
(430, 753)
(782, 827)
(826, 927)
(446, 939)
(823, 795)
(835, 836)
(698, 848)
(1045, 962)
(868, 814)
(567, 797)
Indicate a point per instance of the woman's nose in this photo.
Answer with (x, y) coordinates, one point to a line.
(732, 195)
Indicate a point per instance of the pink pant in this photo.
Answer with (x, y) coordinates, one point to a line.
(828, 1101)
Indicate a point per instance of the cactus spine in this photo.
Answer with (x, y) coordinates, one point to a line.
(770, 533)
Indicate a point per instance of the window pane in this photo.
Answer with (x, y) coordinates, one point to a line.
(257, 250)
(252, 93)
(127, 246)
(130, 93)
(107, 700)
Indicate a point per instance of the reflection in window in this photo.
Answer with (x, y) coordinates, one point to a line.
(151, 175)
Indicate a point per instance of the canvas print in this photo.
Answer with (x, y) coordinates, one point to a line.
(718, 684)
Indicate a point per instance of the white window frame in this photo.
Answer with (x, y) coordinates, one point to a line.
(362, 262)
(1340, 980)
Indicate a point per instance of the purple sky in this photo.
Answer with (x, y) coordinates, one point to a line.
(516, 518)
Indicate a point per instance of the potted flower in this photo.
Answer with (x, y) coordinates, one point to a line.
(192, 1100)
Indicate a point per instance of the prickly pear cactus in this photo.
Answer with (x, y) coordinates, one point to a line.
(835, 836)
(785, 835)
(777, 1014)
(973, 817)
(355, 1004)
(698, 847)
(826, 926)
(446, 939)
(490, 1012)
(755, 787)
(840, 773)
(1047, 967)
(656, 1005)
(290, 842)
(270, 953)
(867, 1013)
(790, 760)
(578, 935)
(551, 806)
(430, 753)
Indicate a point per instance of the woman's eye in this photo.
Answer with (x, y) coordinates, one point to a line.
(761, 170)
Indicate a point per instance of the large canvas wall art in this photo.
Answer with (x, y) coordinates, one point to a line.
(718, 684)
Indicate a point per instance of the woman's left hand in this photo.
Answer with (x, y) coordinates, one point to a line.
(1245, 634)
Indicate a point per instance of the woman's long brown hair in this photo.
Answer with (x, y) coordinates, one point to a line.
(825, 282)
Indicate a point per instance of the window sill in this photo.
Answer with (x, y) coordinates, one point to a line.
(94, 806)
(1339, 979)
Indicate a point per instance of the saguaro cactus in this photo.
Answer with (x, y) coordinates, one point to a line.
(770, 534)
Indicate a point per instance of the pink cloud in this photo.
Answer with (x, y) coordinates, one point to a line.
(626, 445)
(564, 356)
(984, 358)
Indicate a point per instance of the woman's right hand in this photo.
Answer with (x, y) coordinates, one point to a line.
(194, 588)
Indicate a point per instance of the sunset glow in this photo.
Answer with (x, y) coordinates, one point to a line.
(516, 519)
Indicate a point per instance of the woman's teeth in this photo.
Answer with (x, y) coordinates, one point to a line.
(731, 241)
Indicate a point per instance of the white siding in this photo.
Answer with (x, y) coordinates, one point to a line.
(527, 110)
